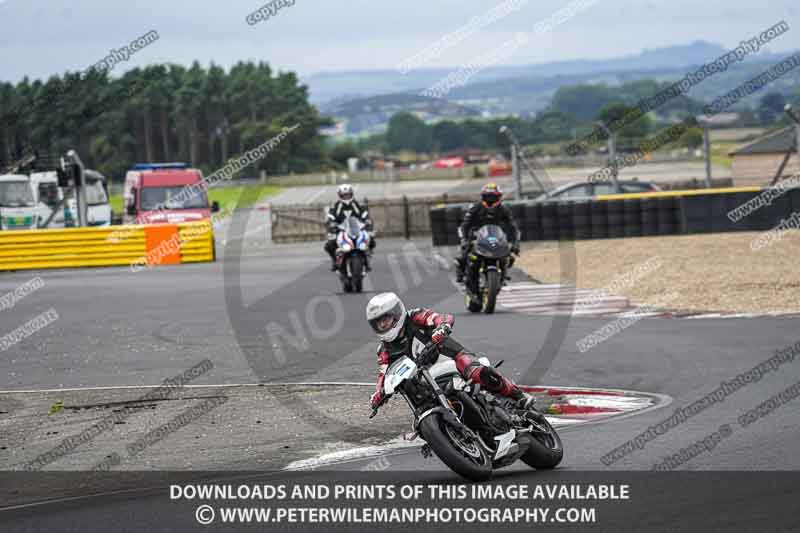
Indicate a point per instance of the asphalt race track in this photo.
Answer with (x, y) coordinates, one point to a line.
(117, 328)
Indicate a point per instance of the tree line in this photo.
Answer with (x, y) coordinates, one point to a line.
(203, 116)
(572, 113)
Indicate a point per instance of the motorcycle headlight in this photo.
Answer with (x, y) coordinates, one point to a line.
(346, 247)
(362, 246)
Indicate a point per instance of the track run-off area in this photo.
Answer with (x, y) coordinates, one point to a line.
(293, 358)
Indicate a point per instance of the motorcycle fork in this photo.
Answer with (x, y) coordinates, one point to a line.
(474, 272)
(438, 391)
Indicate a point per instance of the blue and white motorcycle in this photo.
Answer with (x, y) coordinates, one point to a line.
(352, 253)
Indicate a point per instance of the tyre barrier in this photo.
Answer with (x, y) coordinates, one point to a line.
(599, 219)
(139, 246)
(581, 219)
(566, 231)
(632, 215)
(532, 230)
(549, 221)
(649, 217)
(439, 226)
(616, 219)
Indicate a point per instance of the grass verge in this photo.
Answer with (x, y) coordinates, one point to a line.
(227, 197)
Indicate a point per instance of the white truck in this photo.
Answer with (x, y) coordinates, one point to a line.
(18, 203)
(51, 196)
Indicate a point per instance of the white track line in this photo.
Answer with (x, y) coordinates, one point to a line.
(214, 386)
(399, 445)
(316, 195)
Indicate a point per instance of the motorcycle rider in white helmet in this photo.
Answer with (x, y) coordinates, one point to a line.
(397, 329)
(346, 206)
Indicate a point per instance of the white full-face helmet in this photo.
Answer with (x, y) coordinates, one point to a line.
(386, 315)
(345, 193)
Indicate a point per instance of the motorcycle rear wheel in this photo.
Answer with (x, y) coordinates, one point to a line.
(467, 459)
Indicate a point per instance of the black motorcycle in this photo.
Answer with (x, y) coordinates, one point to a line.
(488, 262)
(471, 430)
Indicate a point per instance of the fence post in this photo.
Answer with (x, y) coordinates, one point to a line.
(406, 218)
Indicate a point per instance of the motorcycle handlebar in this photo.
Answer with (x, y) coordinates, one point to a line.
(422, 356)
(426, 351)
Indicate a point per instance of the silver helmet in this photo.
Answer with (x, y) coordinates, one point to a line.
(345, 193)
(386, 315)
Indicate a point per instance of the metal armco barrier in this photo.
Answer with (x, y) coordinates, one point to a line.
(631, 215)
(393, 217)
(156, 244)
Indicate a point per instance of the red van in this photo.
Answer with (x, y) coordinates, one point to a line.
(158, 193)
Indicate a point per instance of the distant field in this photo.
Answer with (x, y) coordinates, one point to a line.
(720, 151)
(227, 197)
(736, 134)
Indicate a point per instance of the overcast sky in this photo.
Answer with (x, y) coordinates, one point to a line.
(44, 37)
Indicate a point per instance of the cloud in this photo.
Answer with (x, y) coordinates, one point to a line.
(44, 37)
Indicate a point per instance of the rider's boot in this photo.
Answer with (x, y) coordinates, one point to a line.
(367, 266)
(524, 400)
(459, 270)
(492, 380)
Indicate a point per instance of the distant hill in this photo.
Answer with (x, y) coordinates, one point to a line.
(366, 100)
(372, 114)
(326, 86)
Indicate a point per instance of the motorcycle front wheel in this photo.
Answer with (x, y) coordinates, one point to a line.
(546, 450)
(492, 289)
(474, 306)
(357, 272)
(463, 455)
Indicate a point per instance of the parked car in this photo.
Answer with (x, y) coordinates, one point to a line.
(583, 190)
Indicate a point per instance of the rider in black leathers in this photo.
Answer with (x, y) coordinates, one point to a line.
(345, 207)
(490, 210)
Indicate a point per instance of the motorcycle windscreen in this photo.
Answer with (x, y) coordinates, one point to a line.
(401, 370)
(352, 226)
(491, 241)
